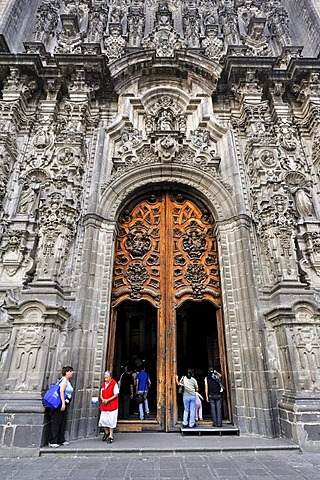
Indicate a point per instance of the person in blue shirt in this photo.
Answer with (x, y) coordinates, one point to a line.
(143, 383)
(59, 415)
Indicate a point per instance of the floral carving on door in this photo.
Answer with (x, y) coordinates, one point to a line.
(165, 243)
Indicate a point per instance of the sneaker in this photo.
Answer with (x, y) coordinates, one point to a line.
(65, 443)
(54, 445)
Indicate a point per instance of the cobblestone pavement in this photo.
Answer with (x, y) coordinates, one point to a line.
(261, 466)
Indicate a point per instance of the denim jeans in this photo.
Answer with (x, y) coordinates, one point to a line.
(143, 407)
(189, 413)
(216, 409)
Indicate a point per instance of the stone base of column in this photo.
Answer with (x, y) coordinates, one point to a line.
(22, 422)
(300, 419)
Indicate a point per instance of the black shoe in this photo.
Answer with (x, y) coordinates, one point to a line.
(104, 438)
(184, 426)
(109, 440)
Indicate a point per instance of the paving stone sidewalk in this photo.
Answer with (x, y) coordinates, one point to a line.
(261, 466)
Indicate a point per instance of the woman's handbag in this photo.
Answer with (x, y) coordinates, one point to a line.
(52, 397)
(181, 387)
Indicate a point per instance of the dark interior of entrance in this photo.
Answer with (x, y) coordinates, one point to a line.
(136, 342)
(197, 344)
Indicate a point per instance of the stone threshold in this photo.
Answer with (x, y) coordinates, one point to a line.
(209, 430)
(159, 443)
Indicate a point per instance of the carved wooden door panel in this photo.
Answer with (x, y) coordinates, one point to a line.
(165, 253)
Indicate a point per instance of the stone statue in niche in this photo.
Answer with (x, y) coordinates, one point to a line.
(304, 203)
(29, 195)
(300, 188)
(165, 120)
(26, 201)
(43, 137)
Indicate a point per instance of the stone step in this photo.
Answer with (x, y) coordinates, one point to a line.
(209, 430)
(159, 443)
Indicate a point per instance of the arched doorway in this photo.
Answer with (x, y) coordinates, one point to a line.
(165, 266)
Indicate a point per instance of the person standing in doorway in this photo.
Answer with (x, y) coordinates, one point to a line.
(109, 406)
(59, 415)
(213, 390)
(143, 383)
(126, 383)
(190, 385)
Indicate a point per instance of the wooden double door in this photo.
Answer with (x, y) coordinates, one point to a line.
(166, 298)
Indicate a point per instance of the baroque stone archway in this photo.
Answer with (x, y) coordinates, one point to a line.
(102, 99)
(166, 253)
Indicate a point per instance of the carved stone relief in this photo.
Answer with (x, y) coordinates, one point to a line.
(298, 345)
(13, 251)
(97, 21)
(47, 20)
(114, 42)
(212, 43)
(34, 335)
(166, 27)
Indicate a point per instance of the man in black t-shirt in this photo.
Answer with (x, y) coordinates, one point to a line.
(213, 391)
(126, 383)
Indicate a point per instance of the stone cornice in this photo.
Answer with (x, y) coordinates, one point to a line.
(136, 65)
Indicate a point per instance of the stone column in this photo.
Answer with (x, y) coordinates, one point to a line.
(244, 330)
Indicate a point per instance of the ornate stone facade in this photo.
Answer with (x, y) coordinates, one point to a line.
(101, 100)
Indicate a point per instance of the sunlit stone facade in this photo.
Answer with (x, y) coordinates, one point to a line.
(100, 100)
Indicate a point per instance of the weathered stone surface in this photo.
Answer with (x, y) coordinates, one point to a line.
(103, 101)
